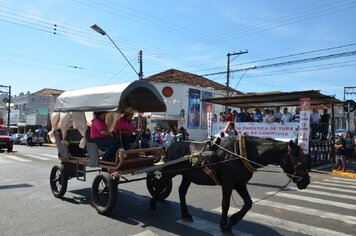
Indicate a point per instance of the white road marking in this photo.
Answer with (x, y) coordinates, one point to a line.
(49, 155)
(16, 158)
(3, 160)
(209, 227)
(146, 233)
(332, 189)
(345, 196)
(340, 182)
(335, 185)
(308, 211)
(344, 179)
(315, 200)
(286, 225)
(38, 157)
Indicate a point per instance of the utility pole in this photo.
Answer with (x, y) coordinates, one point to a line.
(228, 71)
(140, 74)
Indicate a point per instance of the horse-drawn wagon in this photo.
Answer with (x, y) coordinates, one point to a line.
(77, 153)
(229, 162)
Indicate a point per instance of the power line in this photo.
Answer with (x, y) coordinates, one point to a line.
(331, 56)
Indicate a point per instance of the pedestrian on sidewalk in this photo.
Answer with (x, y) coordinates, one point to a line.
(340, 148)
(350, 144)
(29, 138)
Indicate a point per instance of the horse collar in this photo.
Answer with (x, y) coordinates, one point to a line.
(243, 154)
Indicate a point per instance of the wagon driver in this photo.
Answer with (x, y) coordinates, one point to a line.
(125, 128)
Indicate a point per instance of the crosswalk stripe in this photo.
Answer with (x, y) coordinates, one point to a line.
(344, 179)
(37, 157)
(339, 181)
(49, 155)
(351, 197)
(209, 227)
(17, 158)
(315, 200)
(334, 184)
(4, 161)
(286, 225)
(146, 233)
(332, 189)
(308, 211)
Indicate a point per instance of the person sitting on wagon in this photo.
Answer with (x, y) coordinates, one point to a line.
(100, 135)
(125, 128)
(230, 129)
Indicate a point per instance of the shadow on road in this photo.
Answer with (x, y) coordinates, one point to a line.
(133, 209)
(11, 186)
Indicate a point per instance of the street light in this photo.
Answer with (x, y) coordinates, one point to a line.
(102, 32)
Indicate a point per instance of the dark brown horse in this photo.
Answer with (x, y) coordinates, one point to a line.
(229, 170)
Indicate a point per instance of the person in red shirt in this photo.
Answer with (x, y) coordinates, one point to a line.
(100, 135)
(125, 129)
(229, 115)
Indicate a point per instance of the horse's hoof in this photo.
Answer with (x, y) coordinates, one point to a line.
(187, 218)
(152, 211)
(226, 229)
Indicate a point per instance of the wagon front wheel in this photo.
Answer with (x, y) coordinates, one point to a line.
(103, 193)
(58, 181)
(159, 188)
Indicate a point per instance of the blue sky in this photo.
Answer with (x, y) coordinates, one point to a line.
(188, 35)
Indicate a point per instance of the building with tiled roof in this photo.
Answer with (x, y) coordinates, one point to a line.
(48, 92)
(183, 93)
(181, 77)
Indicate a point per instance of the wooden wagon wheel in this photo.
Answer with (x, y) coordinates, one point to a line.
(58, 181)
(103, 193)
(158, 188)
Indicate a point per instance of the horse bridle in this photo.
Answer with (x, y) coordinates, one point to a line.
(295, 165)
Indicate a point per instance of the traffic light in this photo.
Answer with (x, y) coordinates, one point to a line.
(350, 103)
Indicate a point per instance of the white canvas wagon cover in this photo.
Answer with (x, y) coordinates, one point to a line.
(140, 94)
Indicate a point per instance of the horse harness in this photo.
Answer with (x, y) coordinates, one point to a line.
(243, 154)
(202, 157)
(207, 167)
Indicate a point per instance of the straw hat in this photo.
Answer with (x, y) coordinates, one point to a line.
(128, 110)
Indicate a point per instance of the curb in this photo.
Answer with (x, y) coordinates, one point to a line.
(326, 169)
(346, 174)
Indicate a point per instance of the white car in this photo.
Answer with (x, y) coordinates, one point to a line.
(36, 140)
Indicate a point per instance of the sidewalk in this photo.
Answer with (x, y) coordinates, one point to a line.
(349, 172)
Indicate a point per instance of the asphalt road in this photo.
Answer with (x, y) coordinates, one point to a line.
(28, 207)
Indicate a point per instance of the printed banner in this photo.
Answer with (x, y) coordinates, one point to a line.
(205, 107)
(304, 130)
(285, 132)
(194, 109)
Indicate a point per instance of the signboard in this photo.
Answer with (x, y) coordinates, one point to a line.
(194, 109)
(304, 127)
(285, 132)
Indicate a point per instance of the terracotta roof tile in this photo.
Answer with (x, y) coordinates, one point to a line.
(48, 92)
(176, 77)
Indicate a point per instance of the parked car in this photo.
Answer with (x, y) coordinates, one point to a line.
(340, 131)
(17, 137)
(6, 140)
(36, 140)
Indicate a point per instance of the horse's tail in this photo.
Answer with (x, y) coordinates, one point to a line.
(177, 150)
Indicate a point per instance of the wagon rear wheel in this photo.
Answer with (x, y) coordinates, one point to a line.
(159, 188)
(58, 181)
(103, 193)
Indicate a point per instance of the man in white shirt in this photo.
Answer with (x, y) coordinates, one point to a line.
(167, 139)
(286, 116)
(314, 121)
